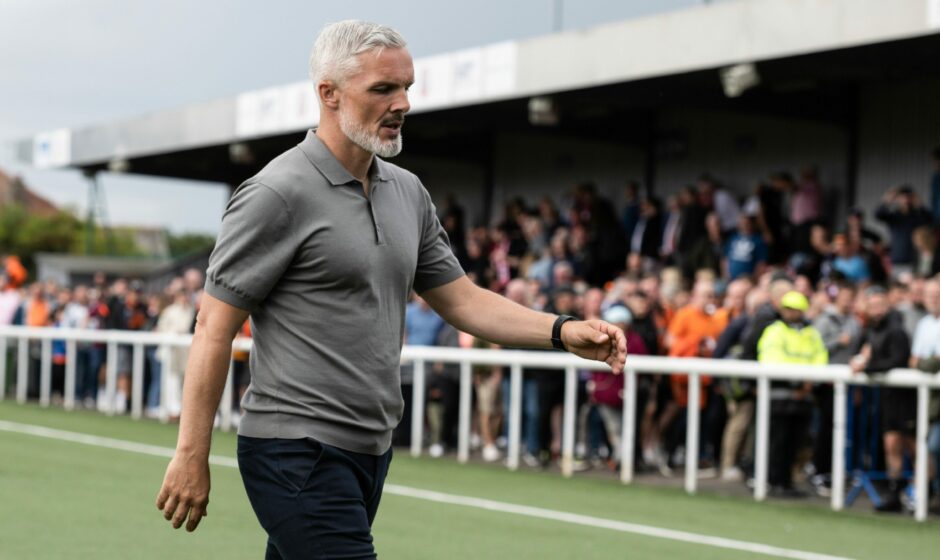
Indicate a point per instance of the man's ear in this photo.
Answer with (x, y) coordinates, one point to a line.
(328, 94)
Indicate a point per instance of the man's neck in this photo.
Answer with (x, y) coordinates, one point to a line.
(351, 156)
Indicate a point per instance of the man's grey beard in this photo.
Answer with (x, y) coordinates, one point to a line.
(367, 141)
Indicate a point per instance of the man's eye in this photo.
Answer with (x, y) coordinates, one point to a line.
(381, 89)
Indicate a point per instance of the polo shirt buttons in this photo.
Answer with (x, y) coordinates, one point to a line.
(379, 236)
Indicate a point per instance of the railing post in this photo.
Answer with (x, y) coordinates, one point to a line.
(762, 436)
(463, 426)
(70, 359)
(44, 340)
(691, 434)
(515, 415)
(45, 372)
(3, 367)
(22, 370)
(417, 409)
(628, 438)
(921, 496)
(225, 408)
(164, 409)
(838, 445)
(137, 382)
(568, 421)
(111, 378)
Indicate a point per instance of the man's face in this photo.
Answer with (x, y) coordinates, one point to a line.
(564, 303)
(904, 200)
(373, 101)
(932, 297)
(877, 307)
(650, 287)
(703, 295)
(791, 315)
(737, 293)
(639, 306)
(844, 300)
(193, 279)
(917, 291)
(841, 246)
(593, 300)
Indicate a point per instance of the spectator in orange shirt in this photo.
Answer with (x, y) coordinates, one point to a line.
(36, 312)
(692, 333)
(241, 370)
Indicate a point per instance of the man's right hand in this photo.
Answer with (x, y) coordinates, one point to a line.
(185, 491)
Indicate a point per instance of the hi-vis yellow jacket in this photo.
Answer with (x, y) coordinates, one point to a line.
(785, 344)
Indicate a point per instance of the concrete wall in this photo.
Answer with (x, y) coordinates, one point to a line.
(444, 177)
(536, 165)
(899, 127)
(741, 149)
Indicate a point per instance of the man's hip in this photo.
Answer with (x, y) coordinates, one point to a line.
(314, 500)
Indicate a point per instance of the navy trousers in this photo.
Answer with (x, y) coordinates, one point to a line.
(314, 500)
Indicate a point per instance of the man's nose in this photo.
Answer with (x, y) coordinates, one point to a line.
(401, 104)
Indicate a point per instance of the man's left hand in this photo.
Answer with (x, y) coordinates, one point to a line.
(596, 340)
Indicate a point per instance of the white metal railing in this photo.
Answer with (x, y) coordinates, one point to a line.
(841, 376)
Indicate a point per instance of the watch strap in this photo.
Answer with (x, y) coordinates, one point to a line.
(557, 344)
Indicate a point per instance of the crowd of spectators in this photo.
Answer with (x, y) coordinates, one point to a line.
(768, 277)
(119, 304)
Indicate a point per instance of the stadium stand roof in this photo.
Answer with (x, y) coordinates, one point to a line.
(847, 39)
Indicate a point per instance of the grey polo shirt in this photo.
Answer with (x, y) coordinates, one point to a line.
(326, 273)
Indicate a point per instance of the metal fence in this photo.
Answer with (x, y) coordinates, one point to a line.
(839, 375)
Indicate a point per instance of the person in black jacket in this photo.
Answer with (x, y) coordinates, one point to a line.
(765, 316)
(647, 234)
(902, 212)
(738, 392)
(692, 239)
(887, 346)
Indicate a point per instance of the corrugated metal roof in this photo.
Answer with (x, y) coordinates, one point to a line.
(664, 44)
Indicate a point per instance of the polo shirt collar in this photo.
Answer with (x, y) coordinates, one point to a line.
(324, 160)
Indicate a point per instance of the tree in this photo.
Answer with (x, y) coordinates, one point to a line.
(25, 234)
(189, 243)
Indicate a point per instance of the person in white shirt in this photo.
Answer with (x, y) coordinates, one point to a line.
(177, 318)
(925, 355)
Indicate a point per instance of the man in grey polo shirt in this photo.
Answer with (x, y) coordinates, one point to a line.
(321, 249)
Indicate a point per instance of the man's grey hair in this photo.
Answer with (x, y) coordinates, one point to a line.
(335, 50)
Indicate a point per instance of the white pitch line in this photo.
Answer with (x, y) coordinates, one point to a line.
(452, 499)
(110, 443)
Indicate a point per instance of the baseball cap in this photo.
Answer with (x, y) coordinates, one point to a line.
(794, 300)
(618, 314)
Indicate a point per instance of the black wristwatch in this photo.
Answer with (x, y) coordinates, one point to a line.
(557, 344)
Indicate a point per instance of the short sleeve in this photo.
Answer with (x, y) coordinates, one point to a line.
(437, 264)
(254, 247)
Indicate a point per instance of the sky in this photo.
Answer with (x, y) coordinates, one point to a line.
(65, 64)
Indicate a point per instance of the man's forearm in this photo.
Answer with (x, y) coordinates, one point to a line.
(489, 316)
(206, 372)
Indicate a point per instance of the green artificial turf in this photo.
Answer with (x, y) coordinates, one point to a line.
(61, 499)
